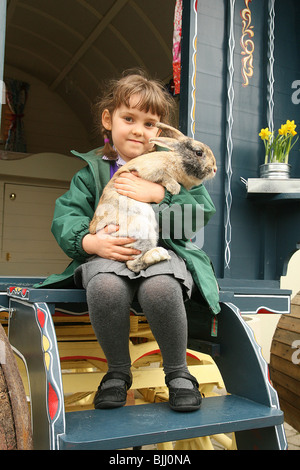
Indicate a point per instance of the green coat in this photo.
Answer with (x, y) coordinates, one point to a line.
(75, 209)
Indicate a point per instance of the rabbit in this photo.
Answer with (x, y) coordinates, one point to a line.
(188, 163)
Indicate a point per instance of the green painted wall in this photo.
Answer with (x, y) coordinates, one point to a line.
(245, 240)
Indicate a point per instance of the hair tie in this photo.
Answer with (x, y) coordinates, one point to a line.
(106, 141)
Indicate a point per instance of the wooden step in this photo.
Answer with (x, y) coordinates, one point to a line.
(139, 425)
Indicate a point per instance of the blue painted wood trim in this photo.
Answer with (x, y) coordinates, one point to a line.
(148, 424)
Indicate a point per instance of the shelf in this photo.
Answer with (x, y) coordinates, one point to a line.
(273, 186)
(273, 190)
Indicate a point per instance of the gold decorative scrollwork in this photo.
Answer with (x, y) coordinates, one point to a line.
(247, 44)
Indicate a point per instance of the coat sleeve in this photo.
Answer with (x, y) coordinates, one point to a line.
(200, 196)
(185, 214)
(73, 213)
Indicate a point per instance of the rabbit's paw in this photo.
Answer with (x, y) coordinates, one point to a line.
(155, 255)
(173, 187)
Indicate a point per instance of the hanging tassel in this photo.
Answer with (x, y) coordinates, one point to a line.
(177, 46)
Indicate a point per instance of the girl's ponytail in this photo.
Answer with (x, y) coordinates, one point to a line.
(108, 149)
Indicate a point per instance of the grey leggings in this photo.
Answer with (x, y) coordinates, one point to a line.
(109, 298)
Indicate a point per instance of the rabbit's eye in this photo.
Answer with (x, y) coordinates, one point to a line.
(199, 153)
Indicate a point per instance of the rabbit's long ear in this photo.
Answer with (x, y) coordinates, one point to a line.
(170, 131)
(167, 142)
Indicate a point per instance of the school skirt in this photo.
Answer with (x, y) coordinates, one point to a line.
(175, 267)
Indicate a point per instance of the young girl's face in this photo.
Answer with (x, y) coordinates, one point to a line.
(131, 129)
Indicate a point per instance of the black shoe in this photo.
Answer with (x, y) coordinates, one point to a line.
(113, 397)
(183, 399)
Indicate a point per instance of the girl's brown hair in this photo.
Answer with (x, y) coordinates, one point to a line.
(153, 97)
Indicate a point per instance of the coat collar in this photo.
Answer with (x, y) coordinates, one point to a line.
(100, 168)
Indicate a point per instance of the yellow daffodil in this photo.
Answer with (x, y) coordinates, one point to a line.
(283, 130)
(291, 126)
(278, 148)
(265, 134)
(288, 129)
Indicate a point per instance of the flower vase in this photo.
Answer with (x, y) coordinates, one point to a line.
(275, 170)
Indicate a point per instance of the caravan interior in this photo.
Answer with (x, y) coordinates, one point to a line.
(60, 54)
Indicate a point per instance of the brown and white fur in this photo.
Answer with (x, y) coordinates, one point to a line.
(188, 163)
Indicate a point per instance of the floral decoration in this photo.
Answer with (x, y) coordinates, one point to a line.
(277, 148)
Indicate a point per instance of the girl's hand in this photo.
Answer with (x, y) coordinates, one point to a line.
(107, 246)
(131, 185)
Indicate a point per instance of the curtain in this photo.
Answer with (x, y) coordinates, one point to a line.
(177, 46)
(16, 97)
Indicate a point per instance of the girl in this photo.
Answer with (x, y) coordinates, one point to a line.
(128, 115)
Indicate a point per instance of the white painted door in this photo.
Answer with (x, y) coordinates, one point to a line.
(28, 246)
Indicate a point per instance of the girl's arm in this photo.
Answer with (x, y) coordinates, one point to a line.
(73, 213)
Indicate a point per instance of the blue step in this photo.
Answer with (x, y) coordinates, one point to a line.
(139, 425)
